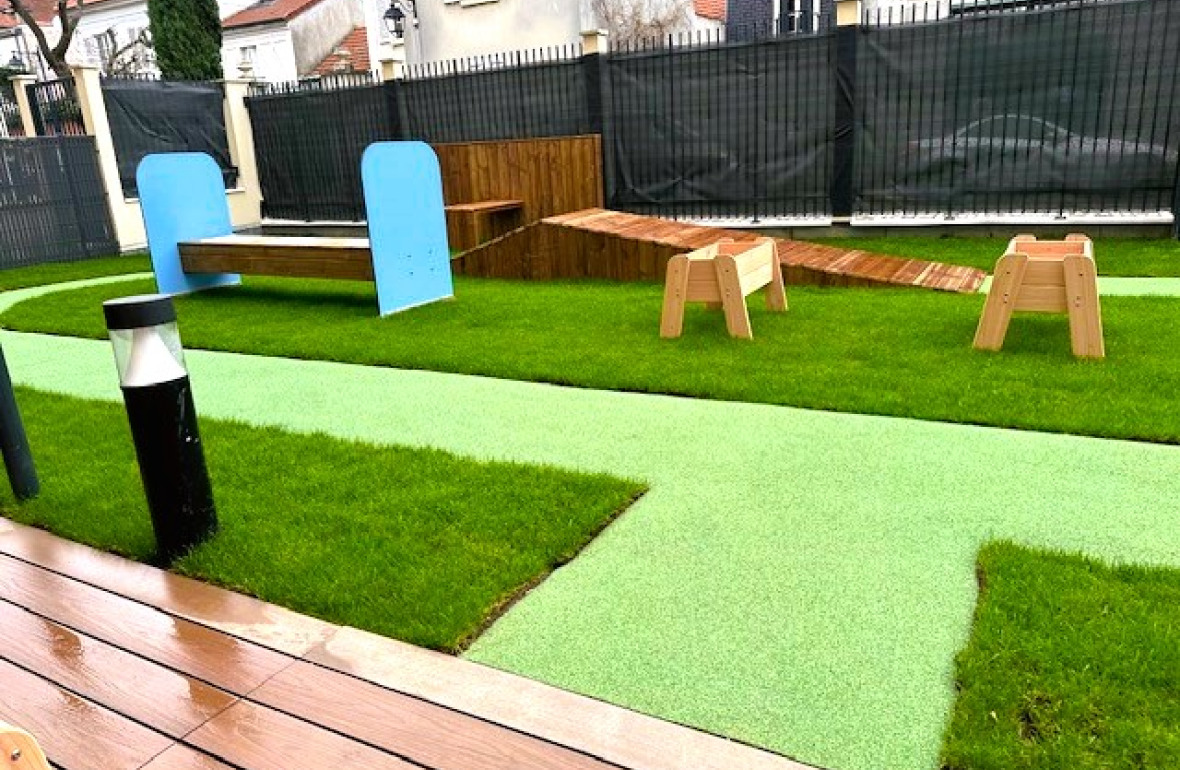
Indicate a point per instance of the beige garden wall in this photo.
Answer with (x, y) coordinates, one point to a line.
(245, 201)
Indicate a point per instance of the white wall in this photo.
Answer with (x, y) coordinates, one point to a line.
(316, 31)
(274, 59)
(456, 28)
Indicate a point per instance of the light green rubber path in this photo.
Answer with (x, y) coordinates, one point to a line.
(1116, 286)
(796, 579)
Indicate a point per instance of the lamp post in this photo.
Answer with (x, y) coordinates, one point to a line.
(163, 419)
(18, 461)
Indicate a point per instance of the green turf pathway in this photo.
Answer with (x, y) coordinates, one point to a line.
(796, 579)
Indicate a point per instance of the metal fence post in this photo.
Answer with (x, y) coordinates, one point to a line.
(848, 18)
(20, 86)
(595, 45)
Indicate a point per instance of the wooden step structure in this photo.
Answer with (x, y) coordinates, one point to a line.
(616, 246)
(115, 665)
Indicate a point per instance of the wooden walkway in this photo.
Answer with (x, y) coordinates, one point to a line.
(115, 665)
(611, 245)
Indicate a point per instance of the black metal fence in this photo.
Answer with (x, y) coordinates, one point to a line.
(55, 108)
(52, 204)
(147, 115)
(1047, 106)
(309, 138)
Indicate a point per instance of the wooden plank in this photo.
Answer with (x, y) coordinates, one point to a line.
(75, 733)
(260, 738)
(422, 732)
(181, 757)
(1001, 301)
(341, 258)
(487, 207)
(623, 737)
(1085, 314)
(162, 699)
(223, 661)
(676, 293)
(1044, 272)
(1041, 299)
(233, 613)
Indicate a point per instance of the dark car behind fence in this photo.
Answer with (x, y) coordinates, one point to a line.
(1051, 107)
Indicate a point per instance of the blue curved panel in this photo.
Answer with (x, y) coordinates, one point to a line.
(407, 225)
(182, 195)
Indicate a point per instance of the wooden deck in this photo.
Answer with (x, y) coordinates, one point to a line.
(115, 665)
(611, 245)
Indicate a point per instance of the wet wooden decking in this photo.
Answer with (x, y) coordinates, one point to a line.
(115, 665)
(613, 245)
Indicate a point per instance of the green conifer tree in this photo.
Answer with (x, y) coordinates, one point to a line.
(186, 35)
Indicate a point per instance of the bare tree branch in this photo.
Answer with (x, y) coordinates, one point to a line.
(630, 21)
(54, 55)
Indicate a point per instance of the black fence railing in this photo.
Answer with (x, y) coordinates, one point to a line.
(1042, 107)
(1045, 107)
(54, 104)
(331, 82)
(53, 207)
(10, 120)
(149, 115)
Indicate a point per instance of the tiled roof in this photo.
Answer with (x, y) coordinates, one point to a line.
(43, 11)
(349, 55)
(710, 9)
(267, 11)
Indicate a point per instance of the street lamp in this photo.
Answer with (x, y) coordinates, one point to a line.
(16, 64)
(396, 15)
(163, 419)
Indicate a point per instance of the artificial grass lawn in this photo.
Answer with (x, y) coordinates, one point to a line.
(1071, 664)
(59, 272)
(892, 352)
(1115, 256)
(415, 544)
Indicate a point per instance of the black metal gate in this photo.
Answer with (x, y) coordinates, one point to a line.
(54, 104)
(53, 206)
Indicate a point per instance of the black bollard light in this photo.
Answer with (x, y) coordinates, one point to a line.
(18, 461)
(159, 400)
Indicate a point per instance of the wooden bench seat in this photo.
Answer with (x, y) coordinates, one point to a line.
(471, 224)
(343, 258)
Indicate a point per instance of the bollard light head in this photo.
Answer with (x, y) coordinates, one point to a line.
(145, 339)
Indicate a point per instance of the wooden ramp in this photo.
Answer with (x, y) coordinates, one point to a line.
(611, 245)
(114, 665)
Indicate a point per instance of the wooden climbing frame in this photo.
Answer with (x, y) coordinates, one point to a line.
(722, 276)
(1045, 277)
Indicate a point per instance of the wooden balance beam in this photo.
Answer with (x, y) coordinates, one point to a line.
(344, 258)
(722, 276)
(1045, 277)
(406, 255)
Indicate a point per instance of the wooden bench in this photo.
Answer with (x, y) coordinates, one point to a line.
(343, 258)
(471, 224)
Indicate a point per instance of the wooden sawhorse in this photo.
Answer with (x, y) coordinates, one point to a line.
(721, 276)
(1045, 277)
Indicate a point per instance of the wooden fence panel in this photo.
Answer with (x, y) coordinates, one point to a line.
(551, 176)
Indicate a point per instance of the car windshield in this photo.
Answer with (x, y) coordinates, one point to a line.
(1014, 127)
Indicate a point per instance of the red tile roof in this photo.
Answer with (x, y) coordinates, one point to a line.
(710, 9)
(266, 11)
(43, 11)
(350, 55)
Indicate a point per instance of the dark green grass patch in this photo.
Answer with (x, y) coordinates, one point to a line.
(1115, 256)
(893, 352)
(415, 544)
(1071, 665)
(59, 272)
